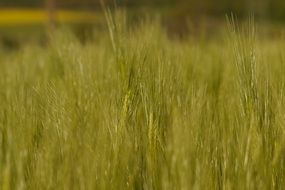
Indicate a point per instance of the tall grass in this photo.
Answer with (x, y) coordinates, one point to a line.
(134, 110)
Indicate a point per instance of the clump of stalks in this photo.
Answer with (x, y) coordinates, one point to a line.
(257, 118)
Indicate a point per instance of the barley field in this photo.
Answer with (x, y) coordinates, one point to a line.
(134, 109)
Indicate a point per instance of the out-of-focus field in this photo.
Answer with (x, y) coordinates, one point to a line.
(21, 26)
(12, 17)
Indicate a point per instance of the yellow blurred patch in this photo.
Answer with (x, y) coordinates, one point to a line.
(39, 16)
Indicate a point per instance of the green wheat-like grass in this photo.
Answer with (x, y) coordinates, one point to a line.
(134, 110)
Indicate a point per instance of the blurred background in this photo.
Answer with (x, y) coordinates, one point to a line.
(28, 20)
(267, 8)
